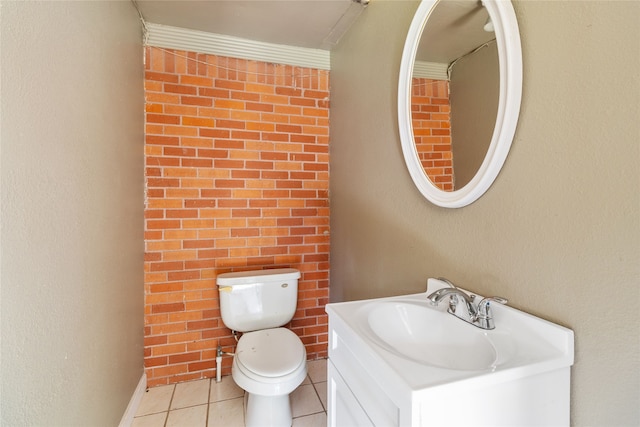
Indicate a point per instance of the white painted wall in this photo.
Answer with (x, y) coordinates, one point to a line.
(71, 211)
(558, 233)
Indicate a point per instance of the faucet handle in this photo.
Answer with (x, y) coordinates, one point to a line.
(484, 315)
(496, 299)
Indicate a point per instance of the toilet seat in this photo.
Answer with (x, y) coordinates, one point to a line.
(278, 356)
(270, 354)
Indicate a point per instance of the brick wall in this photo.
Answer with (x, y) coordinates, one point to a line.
(237, 178)
(431, 122)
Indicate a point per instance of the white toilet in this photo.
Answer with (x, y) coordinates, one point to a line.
(270, 361)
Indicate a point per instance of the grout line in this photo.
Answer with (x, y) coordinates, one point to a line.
(206, 419)
(173, 393)
(308, 415)
(318, 396)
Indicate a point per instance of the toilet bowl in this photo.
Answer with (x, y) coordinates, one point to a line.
(269, 361)
(269, 364)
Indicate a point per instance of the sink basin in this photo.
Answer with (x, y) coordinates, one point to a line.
(423, 334)
(401, 361)
(427, 346)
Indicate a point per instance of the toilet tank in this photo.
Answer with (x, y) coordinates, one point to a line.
(259, 299)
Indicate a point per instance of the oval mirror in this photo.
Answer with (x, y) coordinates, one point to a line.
(459, 97)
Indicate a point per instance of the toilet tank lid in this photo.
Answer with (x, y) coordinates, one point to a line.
(247, 277)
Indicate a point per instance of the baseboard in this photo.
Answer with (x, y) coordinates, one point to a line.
(127, 418)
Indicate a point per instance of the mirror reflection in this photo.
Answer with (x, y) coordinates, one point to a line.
(455, 92)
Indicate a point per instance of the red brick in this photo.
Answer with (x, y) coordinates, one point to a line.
(237, 188)
(305, 102)
(213, 92)
(229, 183)
(198, 121)
(232, 124)
(179, 151)
(162, 224)
(176, 88)
(183, 275)
(196, 100)
(245, 213)
(162, 161)
(199, 366)
(166, 308)
(218, 154)
(288, 91)
(257, 106)
(184, 357)
(150, 362)
(228, 84)
(162, 140)
(196, 163)
(247, 96)
(202, 324)
(163, 118)
(162, 77)
(166, 266)
(316, 94)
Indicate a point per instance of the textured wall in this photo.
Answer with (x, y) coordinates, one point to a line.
(475, 88)
(72, 207)
(558, 233)
(237, 172)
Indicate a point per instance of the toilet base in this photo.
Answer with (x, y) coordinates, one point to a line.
(272, 411)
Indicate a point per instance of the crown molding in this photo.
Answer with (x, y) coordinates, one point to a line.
(430, 70)
(217, 44)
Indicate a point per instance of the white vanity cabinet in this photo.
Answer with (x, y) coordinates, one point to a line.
(355, 398)
(345, 408)
(369, 385)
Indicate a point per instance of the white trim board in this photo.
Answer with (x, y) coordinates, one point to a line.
(132, 408)
(218, 44)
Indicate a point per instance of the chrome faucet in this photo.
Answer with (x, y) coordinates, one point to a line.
(453, 294)
(480, 315)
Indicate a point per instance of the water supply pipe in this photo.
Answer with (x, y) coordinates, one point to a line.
(219, 364)
(219, 354)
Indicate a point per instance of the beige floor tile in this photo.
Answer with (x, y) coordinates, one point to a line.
(225, 389)
(305, 401)
(306, 381)
(317, 370)
(227, 413)
(315, 420)
(153, 420)
(195, 416)
(321, 389)
(156, 399)
(223, 403)
(191, 393)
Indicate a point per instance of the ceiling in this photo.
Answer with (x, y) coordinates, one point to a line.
(455, 27)
(316, 24)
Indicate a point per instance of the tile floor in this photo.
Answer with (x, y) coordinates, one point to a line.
(206, 403)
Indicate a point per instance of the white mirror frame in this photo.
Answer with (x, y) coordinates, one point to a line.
(510, 64)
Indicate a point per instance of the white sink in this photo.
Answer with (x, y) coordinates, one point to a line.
(421, 333)
(428, 346)
(404, 361)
